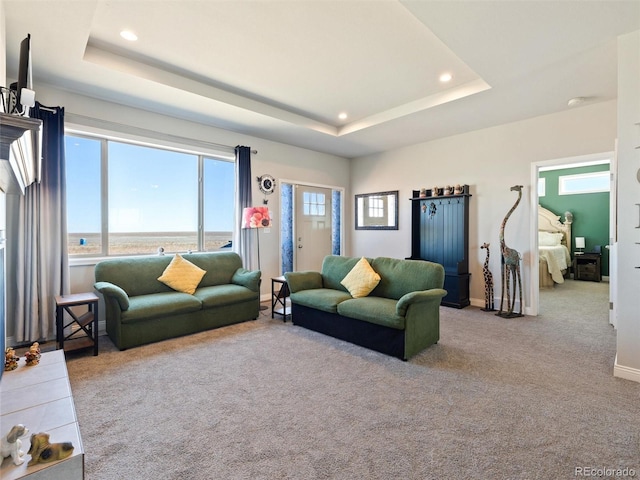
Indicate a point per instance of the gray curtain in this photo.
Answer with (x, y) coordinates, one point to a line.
(38, 262)
(242, 238)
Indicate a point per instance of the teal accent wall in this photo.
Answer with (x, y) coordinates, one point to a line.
(590, 210)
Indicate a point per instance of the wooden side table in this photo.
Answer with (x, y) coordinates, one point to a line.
(84, 332)
(587, 267)
(280, 299)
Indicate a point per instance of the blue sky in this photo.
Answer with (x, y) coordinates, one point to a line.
(150, 190)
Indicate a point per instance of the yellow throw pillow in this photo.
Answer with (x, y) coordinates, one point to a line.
(182, 275)
(361, 280)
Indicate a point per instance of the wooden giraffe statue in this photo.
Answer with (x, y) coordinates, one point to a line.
(510, 266)
(488, 282)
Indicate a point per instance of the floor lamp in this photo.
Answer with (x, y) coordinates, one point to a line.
(256, 218)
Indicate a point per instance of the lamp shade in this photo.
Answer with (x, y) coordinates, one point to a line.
(256, 217)
(579, 242)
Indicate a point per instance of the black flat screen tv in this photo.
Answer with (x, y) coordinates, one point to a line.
(24, 70)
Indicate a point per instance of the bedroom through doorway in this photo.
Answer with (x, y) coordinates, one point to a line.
(575, 199)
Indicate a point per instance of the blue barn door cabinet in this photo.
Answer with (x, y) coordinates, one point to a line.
(440, 234)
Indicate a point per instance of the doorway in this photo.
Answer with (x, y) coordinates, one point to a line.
(571, 162)
(311, 225)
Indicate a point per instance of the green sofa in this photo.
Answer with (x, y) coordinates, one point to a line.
(400, 317)
(140, 309)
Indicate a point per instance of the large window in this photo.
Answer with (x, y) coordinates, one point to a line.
(127, 199)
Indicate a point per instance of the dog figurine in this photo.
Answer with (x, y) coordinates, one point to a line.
(42, 451)
(33, 355)
(11, 445)
(10, 359)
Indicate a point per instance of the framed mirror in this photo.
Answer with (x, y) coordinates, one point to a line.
(377, 211)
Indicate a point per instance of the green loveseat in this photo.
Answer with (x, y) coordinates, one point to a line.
(400, 317)
(140, 309)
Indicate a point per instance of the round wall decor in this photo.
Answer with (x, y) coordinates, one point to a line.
(267, 184)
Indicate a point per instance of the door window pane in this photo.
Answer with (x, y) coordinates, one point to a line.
(314, 204)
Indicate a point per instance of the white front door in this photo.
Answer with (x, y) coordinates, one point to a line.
(312, 231)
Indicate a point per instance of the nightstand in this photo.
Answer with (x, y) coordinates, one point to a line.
(587, 267)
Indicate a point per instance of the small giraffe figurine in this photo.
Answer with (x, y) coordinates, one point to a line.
(488, 282)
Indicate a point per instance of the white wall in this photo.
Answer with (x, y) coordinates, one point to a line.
(628, 359)
(279, 160)
(490, 161)
(3, 46)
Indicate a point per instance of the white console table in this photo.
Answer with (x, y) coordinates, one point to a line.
(39, 397)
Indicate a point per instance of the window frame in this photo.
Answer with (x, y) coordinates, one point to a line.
(542, 186)
(155, 142)
(563, 179)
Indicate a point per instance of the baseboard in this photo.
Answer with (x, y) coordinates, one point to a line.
(627, 373)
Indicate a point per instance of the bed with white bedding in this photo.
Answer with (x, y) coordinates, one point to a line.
(553, 238)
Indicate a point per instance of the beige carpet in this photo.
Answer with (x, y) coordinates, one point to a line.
(525, 398)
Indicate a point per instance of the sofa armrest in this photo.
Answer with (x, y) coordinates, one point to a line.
(299, 281)
(434, 294)
(247, 278)
(110, 290)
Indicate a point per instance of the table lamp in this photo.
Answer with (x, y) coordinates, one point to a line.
(580, 245)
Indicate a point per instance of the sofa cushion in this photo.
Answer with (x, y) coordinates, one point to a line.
(182, 275)
(136, 276)
(325, 299)
(220, 266)
(361, 279)
(303, 280)
(334, 269)
(219, 295)
(381, 311)
(399, 277)
(153, 305)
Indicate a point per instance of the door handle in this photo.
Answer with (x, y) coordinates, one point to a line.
(299, 246)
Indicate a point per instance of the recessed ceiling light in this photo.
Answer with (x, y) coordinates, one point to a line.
(342, 116)
(446, 77)
(128, 35)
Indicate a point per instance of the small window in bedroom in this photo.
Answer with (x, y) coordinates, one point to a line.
(542, 187)
(583, 183)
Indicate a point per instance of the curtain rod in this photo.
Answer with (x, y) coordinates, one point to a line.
(122, 128)
(48, 109)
